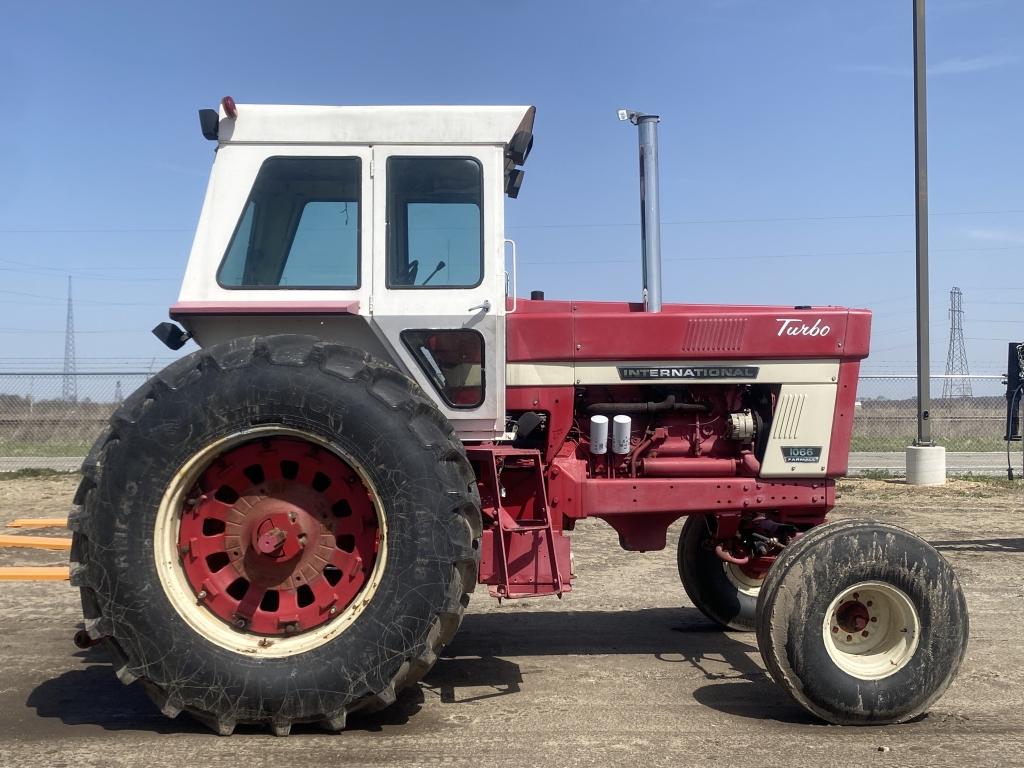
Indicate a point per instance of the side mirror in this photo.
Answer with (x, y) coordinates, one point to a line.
(519, 147)
(513, 181)
(209, 122)
(172, 335)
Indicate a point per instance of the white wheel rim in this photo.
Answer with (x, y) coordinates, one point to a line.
(871, 630)
(180, 593)
(747, 585)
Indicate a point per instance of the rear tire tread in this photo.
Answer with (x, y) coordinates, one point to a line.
(351, 365)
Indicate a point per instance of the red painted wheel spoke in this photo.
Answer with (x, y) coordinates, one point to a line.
(348, 563)
(208, 507)
(216, 584)
(288, 547)
(249, 604)
(204, 546)
(324, 593)
(288, 604)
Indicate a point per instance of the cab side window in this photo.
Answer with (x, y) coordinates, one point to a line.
(300, 227)
(453, 360)
(434, 222)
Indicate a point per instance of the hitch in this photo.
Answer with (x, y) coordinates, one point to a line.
(84, 640)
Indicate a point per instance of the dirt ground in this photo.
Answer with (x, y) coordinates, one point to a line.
(622, 671)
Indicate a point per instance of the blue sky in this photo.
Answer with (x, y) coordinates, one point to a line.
(786, 143)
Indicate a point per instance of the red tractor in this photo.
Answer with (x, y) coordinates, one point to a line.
(285, 526)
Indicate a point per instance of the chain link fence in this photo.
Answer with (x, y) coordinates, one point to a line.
(967, 413)
(48, 420)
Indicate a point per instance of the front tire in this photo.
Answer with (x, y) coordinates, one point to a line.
(863, 623)
(722, 591)
(276, 530)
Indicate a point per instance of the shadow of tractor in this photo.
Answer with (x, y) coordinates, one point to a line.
(479, 664)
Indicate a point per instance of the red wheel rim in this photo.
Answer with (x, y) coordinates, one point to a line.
(278, 536)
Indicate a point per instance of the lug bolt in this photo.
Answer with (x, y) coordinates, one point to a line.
(868, 603)
(849, 638)
(874, 618)
(864, 633)
(239, 623)
(835, 629)
(202, 595)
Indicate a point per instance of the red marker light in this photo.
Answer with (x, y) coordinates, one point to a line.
(229, 106)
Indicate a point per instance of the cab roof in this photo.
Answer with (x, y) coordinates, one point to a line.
(293, 124)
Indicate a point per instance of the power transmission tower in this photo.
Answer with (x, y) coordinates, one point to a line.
(956, 358)
(69, 389)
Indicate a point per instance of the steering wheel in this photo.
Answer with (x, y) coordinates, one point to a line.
(408, 277)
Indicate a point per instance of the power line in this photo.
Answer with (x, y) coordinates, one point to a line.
(47, 331)
(111, 268)
(759, 257)
(562, 225)
(80, 301)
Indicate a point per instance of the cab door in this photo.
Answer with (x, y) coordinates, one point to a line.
(438, 276)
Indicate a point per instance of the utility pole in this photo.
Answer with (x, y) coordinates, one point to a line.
(926, 463)
(924, 427)
(69, 390)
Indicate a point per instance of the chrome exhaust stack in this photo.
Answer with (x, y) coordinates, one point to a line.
(650, 208)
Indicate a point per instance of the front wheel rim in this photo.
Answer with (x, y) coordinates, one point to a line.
(281, 535)
(871, 630)
(743, 582)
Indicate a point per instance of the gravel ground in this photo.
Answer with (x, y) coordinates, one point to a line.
(622, 671)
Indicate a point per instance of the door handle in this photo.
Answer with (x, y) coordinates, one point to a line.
(513, 244)
(485, 305)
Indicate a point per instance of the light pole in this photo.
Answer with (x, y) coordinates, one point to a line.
(926, 463)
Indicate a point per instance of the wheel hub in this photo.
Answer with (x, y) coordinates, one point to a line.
(852, 616)
(278, 536)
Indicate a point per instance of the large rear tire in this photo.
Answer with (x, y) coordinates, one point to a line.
(863, 623)
(275, 530)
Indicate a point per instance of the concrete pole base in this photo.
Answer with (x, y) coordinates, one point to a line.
(926, 465)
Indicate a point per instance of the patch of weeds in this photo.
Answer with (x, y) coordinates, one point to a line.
(994, 481)
(875, 474)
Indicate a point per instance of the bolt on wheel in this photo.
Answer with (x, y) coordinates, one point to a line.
(871, 630)
(247, 543)
(269, 542)
(862, 623)
(725, 592)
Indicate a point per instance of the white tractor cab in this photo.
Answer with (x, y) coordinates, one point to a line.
(378, 227)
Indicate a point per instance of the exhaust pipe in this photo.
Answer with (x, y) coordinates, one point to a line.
(650, 208)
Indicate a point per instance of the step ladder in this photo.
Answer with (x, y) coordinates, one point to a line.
(524, 515)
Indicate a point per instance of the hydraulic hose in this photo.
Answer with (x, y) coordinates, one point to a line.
(668, 404)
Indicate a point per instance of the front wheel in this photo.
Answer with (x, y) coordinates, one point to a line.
(723, 591)
(863, 623)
